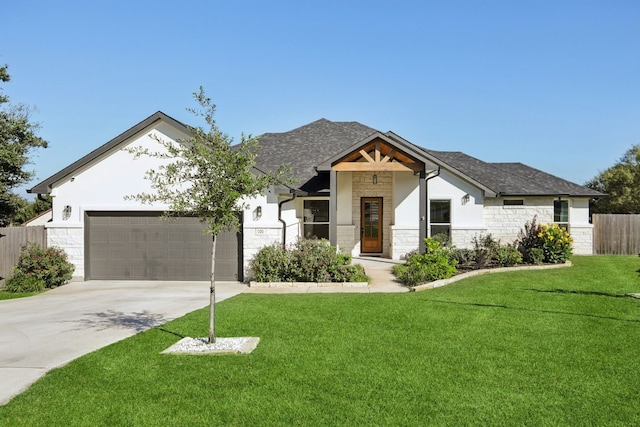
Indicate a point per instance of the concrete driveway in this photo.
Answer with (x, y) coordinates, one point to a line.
(49, 330)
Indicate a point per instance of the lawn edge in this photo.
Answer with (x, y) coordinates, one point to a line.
(444, 282)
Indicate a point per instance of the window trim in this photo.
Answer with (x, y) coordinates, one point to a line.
(304, 221)
(562, 224)
(431, 223)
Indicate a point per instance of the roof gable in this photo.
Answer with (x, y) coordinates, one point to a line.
(304, 148)
(377, 152)
(45, 186)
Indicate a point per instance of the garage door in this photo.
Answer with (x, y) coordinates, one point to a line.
(142, 246)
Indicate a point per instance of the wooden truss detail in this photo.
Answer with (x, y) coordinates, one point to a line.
(378, 156)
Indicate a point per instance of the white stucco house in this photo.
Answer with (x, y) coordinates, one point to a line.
(366, 191)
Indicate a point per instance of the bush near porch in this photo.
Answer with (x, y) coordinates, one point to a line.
(536, 244)
(308, 260)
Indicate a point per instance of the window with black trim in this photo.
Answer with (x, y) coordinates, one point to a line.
(513, 202)
(561, 213)
(316, 219)
(440, 217)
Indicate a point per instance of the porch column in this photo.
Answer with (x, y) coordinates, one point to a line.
(423, 211)
(333, 207)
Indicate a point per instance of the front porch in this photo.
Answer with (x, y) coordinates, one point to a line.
(378, 198)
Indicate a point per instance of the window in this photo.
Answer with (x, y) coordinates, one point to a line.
(440, 217)
(316, 219)
(512, 202)
(561, 213)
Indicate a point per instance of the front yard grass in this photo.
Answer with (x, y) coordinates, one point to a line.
(549, 347)
(13, 295)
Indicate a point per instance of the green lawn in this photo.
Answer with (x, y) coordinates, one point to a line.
(14, 295)
(551, 347)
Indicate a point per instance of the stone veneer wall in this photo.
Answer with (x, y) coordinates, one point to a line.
(363, 186)
(71, 239)
(404, 240)
(255, 238)
(346, 240)
(463, 237)
(582, 239)
(505, 222)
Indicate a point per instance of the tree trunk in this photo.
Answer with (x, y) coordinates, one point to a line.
(212, 295)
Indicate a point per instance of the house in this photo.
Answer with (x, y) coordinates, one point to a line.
(41, 219)
(368, 192)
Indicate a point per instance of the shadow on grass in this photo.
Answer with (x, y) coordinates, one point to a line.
(172, 333)
(568, 291)
(536, 310)
(111, 319)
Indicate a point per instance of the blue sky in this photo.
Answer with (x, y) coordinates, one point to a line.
(553, 84)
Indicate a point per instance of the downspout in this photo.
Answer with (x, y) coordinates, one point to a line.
(284, 224)
(433, 176)
(427, 196)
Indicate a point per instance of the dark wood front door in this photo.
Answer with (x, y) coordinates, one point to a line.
(371, 224)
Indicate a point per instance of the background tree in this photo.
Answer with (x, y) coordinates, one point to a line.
(622, 183)
(30, 210)
(17, 140)
(205, 176)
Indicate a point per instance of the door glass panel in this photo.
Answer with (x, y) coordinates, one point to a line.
(371, 219)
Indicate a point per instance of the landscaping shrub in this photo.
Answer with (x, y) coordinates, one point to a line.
(508, 256)
(486, 249)
(442, 238)
(536, 256)
(308, 260)
(556, 243)
(314, 261)
(544, 243)
(48, 265)
(463, 257)
(271, 264)
(436, 263)
(23, 283)
(528, 239)
(350, 273)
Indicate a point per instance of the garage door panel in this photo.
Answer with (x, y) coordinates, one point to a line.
(141, 246)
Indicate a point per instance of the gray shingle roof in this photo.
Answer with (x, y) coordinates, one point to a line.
(512, 179)
(304, 148)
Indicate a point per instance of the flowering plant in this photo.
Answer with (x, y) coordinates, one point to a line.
(49, 265)
(556, 243)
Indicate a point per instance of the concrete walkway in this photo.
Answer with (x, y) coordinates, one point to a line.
(49, 330)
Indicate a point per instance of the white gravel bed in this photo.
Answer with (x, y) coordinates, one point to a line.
(236, 345)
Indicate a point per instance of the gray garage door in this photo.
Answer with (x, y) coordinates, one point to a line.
(142, 246)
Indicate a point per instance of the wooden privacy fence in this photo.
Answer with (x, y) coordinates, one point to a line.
(13, 238)
(616, 234)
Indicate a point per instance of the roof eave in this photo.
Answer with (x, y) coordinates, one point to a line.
(585, 196)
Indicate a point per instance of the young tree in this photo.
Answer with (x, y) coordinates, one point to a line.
(622, 183)
(17, 139)
(205, 176)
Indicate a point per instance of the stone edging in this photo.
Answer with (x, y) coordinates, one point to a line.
(443, 282)
(308, 284)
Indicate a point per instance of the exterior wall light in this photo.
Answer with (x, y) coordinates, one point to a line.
(375, 179)
(66, 212)
(257, 213)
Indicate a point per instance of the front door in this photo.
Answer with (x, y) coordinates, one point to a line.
(371, 224)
